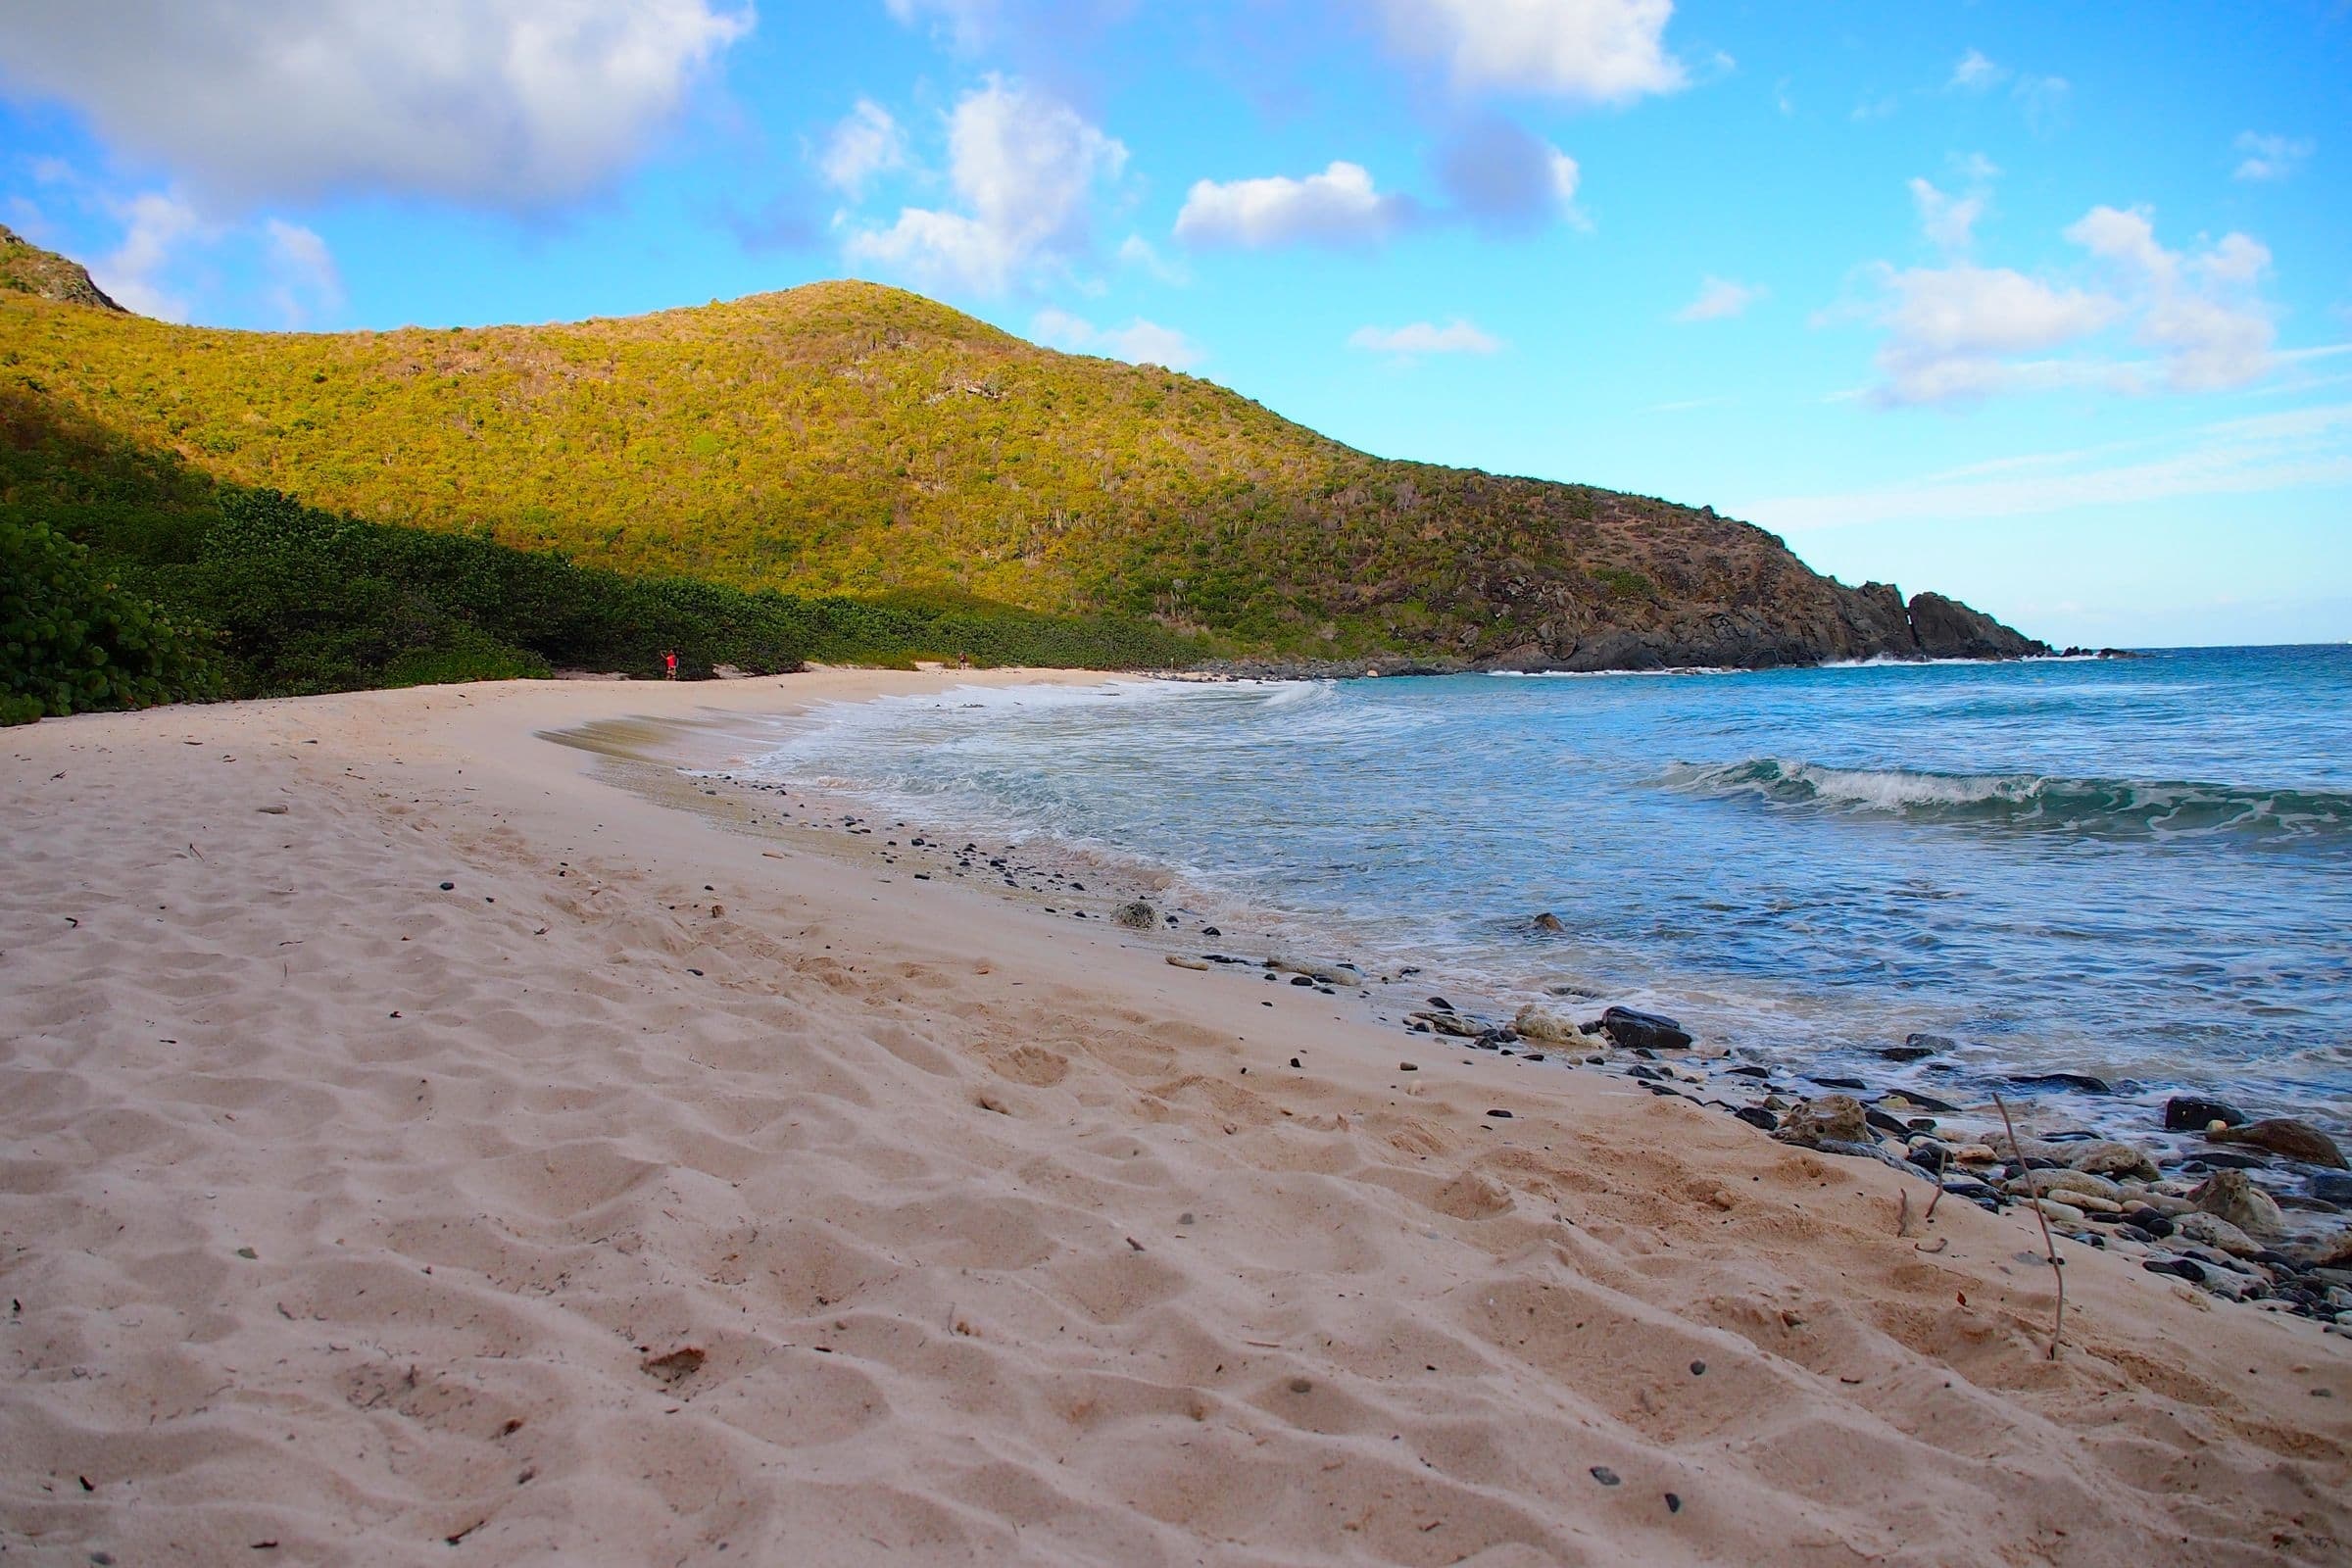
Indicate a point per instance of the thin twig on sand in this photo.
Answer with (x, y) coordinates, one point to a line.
(2049, 1247)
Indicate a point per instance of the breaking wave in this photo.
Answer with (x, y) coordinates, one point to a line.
(2098, 808)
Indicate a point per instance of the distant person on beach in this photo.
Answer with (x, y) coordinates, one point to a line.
(669, 664)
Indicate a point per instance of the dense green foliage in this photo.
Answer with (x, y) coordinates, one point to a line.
(71, 639)
(843, 438)
(292, 599)
(840, 471)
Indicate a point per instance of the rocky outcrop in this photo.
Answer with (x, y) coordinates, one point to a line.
(1945, 628)
(45, 275)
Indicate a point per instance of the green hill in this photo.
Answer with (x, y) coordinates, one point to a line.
(853, 440)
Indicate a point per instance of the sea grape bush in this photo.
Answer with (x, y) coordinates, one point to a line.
(70, 638)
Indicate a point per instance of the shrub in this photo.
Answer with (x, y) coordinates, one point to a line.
(73, 640)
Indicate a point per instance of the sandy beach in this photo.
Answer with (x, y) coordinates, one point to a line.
(420, 1149)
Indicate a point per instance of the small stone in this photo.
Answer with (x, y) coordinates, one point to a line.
(1136, 915)
(2081, 1082)
(1406, 1066)
(1501, 1115)
(2232, 1195)
(2051, 1208)
(1547, 921)
(1303, 1385)
(2190, 1113)
(1541, 1023)
(1629, 1028)
(2287, 1137)
(1829, 1118)
(2105, 1156)
(1698, 1369)
(448, 887)
(1180, 961)
(2211, 1230)
(1674, 1504)
(1605, 1475)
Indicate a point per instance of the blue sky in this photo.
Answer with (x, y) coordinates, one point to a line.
(2049, 307)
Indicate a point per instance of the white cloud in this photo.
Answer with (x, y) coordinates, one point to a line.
(1948, 219)
(968, 22)
(1963, 330)
(1975, 74)
(2043, 99)
(2270, 156)
(1952, 331)
(2198, 310)
(155, 226)
(1457, 336)
(2238, 456)
(307, 280)
(1591, 51)
(516, 103)
(1719, 299)
(1137, 252)
(1025, 166)
(1337, 207)
(1139, 342)
(865, 143)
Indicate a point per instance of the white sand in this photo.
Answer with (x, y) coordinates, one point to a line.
(343, 1212)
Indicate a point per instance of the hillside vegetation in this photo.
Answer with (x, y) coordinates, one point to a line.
(845, 439)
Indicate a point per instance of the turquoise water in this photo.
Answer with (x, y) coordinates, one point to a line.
(2137, 869)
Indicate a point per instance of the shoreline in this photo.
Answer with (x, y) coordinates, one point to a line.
(760, 1202)
(1945, 1131)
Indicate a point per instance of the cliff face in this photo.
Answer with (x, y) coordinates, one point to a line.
(843, 438)
(45, 275)
(1945, 628)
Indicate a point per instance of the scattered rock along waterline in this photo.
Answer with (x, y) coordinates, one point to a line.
(2152, 937)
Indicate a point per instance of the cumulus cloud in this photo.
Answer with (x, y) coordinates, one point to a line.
(2198, 310)
(304, 278)
(1719, 299)
(1137, 252)
(1139, 342)
(2043, 99)
(970, 22)
(1947, 221)
(1964, 332)
(1024, 168)
(1957, 332)
(171, 255)
(1587, 51)
(1502, 178)
(1338, 207)
(1975, 74)
(1457, 336)
(2270, 156)
(156, 225)
(865, 143)
(510, 103)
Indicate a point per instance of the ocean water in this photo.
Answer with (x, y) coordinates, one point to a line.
(2135, 868)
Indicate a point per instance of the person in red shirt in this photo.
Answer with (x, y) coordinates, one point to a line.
(669, 662)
